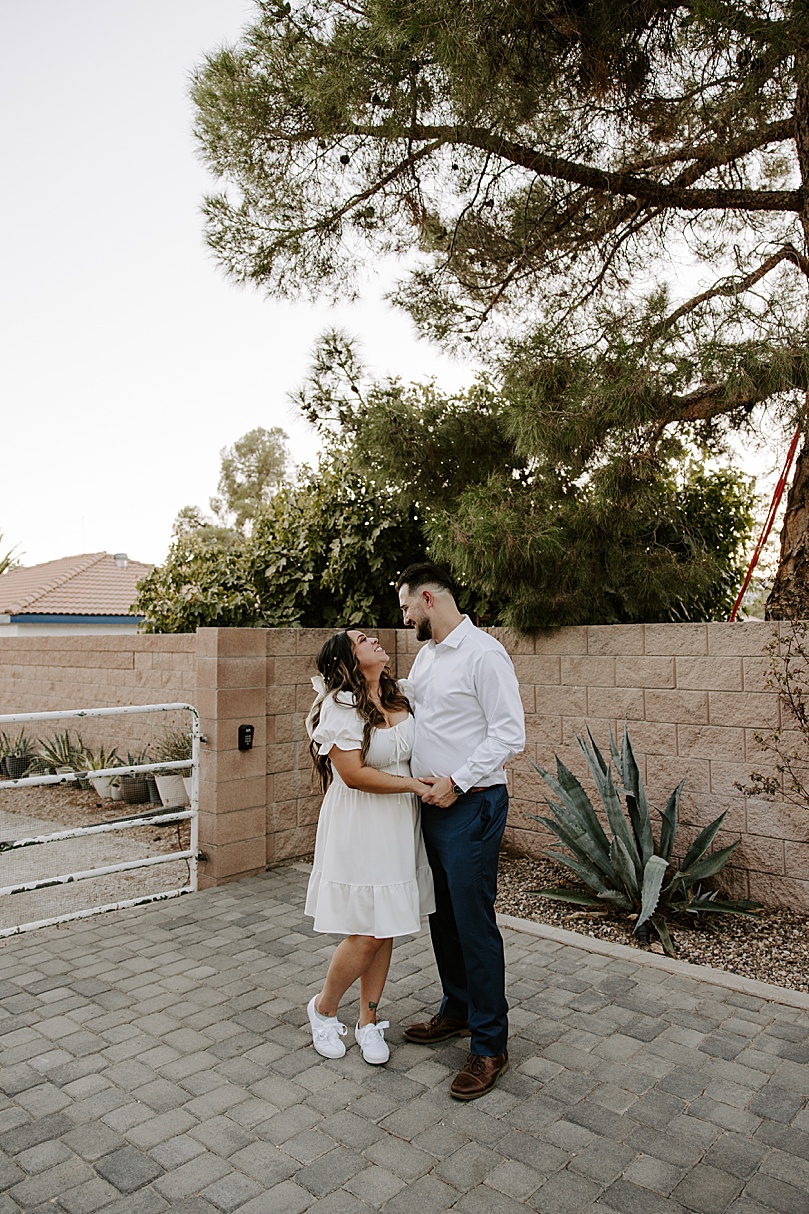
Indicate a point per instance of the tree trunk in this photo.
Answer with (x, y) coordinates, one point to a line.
(789, 597)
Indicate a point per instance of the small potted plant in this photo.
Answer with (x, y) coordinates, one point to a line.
(18, 755)
(134, 786)
(62, 754)
(173, 746)
(98, 760)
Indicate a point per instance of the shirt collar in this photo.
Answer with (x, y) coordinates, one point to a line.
(454, 638)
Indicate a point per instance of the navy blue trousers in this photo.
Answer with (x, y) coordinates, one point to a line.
(463, 847)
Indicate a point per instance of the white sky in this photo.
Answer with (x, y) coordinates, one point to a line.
(127, 360)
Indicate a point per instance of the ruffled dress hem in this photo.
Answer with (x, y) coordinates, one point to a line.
(382, 911)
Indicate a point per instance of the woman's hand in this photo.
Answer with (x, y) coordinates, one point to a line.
(353, 772)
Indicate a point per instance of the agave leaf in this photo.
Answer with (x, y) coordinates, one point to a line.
(740, 906)
(653, 874)
(708, 866)
(585, 872)
(576, 803)
(616, 757)
(615, 895)
(636, 802)
(668, 826)
(624, 865)
(618, 824)
(702, 842)
(569, 895)
(580, 843)
(603, 764)
(660, 926)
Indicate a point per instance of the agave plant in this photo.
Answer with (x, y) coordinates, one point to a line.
(98, 760)
(624, 865)
(61, 752)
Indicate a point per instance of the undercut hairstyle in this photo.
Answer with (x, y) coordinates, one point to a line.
(423, 573)
(337, 662)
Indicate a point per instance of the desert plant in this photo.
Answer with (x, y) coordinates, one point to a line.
(174, 745)
(626, 866)
(16, 755)
(136, 787)
(19, 747)
(61, 751)
(98, 760)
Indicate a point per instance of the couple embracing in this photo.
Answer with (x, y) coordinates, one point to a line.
(411, 824)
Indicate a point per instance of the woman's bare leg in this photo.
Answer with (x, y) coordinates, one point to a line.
(372, 983)
(350, 960)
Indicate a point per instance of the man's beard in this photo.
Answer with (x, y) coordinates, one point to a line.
(424, 630)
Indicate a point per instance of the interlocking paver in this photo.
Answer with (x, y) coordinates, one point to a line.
(231, 1192)
(128, 1169)
(158, 1060)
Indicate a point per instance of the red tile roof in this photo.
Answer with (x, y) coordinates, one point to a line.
(92, 584)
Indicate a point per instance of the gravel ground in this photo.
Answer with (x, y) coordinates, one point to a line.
(66, 808)
(772, 947)
(33, 811)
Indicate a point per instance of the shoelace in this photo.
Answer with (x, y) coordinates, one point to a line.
(475, 1063)
(378, 1027)
(323, 1032)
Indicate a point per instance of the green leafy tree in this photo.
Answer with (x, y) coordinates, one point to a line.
(251, 471)
(609, 198)
(534, 542)
(323, 551)
(191, 521)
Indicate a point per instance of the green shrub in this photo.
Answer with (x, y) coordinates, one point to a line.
(625, 865)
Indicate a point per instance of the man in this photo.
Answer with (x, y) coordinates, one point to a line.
(469, 721)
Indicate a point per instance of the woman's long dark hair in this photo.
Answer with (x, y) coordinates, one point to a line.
(337, 662)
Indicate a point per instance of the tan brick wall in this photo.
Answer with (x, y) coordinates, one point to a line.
(693, 695)
(52, 673)
(694, 698)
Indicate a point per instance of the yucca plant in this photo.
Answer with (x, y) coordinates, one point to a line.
(627, 866)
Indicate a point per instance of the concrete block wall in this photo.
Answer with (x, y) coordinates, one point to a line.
(51, 673)
(694, 698)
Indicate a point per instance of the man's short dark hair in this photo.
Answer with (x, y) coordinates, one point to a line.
(423, 573)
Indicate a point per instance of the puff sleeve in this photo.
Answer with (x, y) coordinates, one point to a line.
(340, 725)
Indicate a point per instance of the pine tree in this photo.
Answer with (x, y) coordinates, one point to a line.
(609, 198)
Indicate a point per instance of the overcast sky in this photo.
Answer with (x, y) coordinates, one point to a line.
(128, 360)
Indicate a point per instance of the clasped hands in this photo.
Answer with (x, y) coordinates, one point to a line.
(438, 791)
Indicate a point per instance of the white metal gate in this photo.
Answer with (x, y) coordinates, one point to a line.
(127, 822)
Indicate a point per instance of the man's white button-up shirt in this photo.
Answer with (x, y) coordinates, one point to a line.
(469, 715)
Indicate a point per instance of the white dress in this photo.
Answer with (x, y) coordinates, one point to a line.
(370, 876)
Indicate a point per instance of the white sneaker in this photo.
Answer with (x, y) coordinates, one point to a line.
(371, 1040)
(326, 1033)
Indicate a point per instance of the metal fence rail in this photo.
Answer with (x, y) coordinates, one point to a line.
(127, 822)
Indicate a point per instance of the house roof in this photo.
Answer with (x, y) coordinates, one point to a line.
(96, 583)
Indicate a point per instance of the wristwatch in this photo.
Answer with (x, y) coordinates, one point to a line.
(456, 788)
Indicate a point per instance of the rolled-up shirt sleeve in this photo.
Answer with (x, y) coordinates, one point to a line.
(499, 695)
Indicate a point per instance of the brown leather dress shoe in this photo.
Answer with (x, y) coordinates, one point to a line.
(439, 1028)
(478, 1076)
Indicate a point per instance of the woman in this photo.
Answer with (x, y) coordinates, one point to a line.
(371, 880)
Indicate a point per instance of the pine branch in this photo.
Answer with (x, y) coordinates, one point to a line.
(735, 286)
(708, 156)
(622, 184)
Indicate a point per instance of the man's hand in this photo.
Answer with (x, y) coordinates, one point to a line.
(441, 793)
